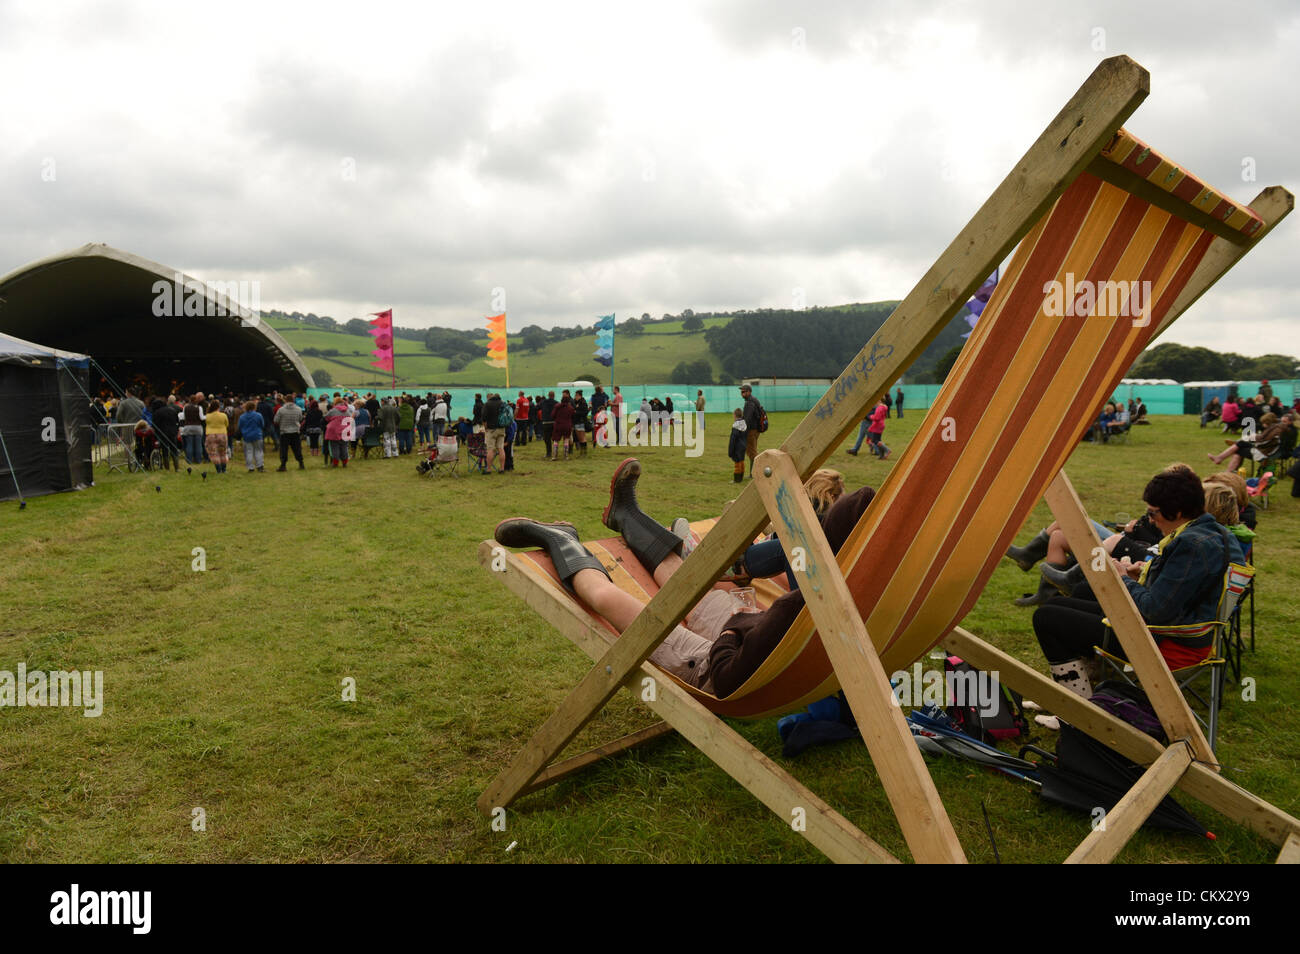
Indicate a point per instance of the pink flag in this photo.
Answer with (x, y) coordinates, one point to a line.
(383, 335)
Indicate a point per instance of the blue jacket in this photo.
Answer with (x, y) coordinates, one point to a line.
(251, 426)
(1184, 582)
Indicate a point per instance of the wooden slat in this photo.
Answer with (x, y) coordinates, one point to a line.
(898, 761)
(1273, 205)
(1290, 853)
(1199, 781)
(1071, 140)
(1121, 822)
(829, 831)
(1131, 630)
(557, 771)
(1134, 184)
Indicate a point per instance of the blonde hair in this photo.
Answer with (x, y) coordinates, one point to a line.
(1267, 419)
(1221, 504)
(1234, 482)
(824, 487)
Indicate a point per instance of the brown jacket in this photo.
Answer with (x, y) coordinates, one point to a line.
(749, 638)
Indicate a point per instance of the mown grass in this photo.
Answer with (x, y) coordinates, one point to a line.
(224, 688)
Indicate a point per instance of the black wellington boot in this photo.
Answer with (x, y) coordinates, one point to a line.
(649, 540)
(559, 540)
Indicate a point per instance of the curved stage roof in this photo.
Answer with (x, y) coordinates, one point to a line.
(103, 302)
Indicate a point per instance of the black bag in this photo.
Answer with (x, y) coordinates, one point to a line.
(1006, 721)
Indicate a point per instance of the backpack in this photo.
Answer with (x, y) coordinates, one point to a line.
(507, 415)
(1006, 721)
(1128, 703)
(762, 418)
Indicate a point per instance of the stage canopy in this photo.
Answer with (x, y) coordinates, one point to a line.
(106, 303)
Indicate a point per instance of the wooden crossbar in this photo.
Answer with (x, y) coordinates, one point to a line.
(558, 771)
(1122, 822)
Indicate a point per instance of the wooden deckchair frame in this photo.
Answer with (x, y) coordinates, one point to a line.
(1070, 143)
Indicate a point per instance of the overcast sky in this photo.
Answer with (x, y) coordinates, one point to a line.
(600, 157)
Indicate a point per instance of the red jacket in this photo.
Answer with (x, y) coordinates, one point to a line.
(878, 419)
(521, 409)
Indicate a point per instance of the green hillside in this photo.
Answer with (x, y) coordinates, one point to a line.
(639, 359)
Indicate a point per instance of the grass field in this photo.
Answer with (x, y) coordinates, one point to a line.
(223, 688)
(653, 355)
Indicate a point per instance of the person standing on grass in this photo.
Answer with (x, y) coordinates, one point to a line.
(736, 446)
(863, 432)
(267, 410)
(617, 403)
(580, 423)
(288, 419)
(876, 430)
(752, 414)
(217, 426)
(562, 431)
(898, 403)
(424, 422)
(699, 410)
(522, 409)
(166, 427)
(388, 421)
(253, 434)
(405, 427)
(440, 412)
(549, 405)
(494, 433)
(361, 423)
(336, 435)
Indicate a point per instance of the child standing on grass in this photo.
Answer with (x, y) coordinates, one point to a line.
(877, 430)
(736, 445)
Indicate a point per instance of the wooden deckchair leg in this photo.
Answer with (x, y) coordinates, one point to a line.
(796, 805)
(1290, 853)
(1121, 822)
(1199, 781)
(902, 770)
(1073, 138)
(1157, 681)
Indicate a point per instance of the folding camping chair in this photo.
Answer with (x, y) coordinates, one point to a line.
(442, 458)
(1090, 200)
(1237, 579)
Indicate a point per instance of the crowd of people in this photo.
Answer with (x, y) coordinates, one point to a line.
(205, 429)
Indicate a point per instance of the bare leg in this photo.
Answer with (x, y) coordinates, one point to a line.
(1058, 550)
(666, 569)
(616, 605)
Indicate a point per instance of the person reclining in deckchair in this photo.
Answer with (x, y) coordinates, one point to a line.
(717, 649)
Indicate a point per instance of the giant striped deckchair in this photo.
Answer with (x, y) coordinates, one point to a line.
(1115, 241)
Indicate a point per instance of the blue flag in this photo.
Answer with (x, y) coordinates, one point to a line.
(604, 352)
